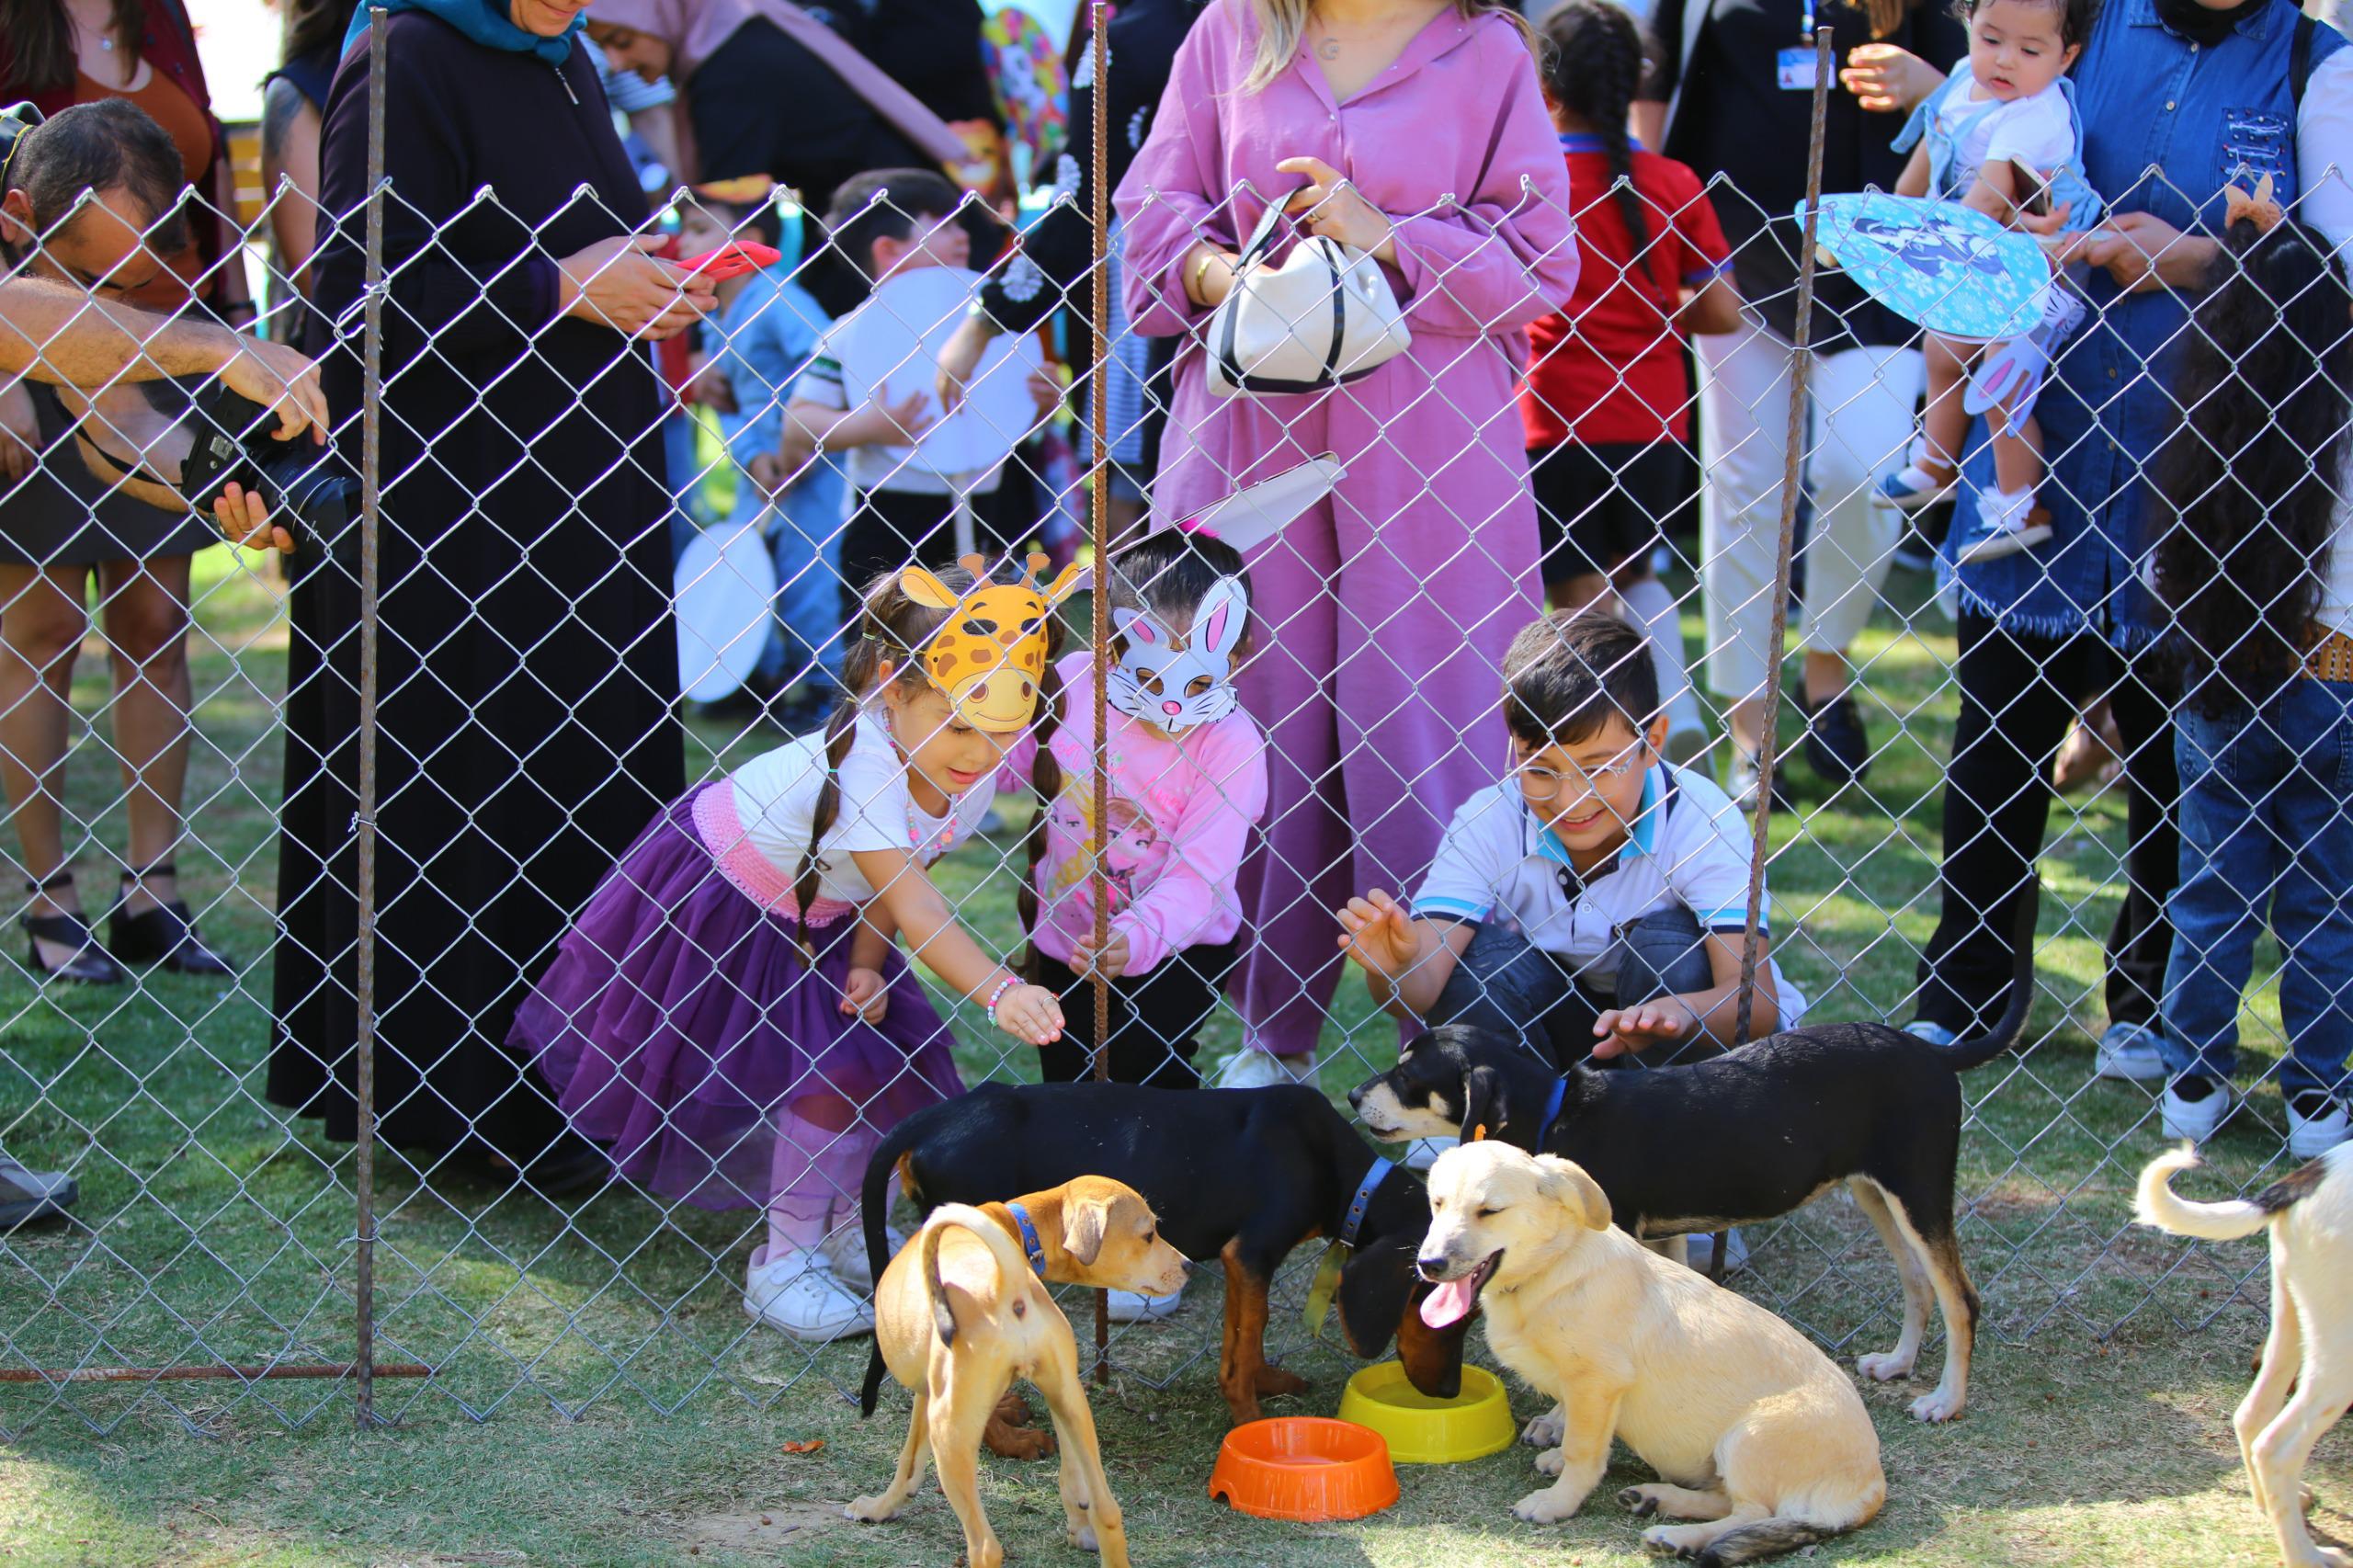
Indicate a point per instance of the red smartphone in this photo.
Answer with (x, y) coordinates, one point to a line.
(732, 260)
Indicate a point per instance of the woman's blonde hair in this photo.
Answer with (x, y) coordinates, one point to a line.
(1282, 23)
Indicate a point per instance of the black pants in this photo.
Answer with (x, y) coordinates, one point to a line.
(891, 529)
(1156, 1019)
(2018, 693)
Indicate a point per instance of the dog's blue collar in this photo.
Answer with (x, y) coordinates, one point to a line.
(1362, 1200)
(1551, 1112)
(1030, 1245)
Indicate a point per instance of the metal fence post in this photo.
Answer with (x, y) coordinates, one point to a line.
(371, 481)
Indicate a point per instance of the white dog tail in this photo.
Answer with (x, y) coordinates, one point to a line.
(2154, 1203)
(947, 1299)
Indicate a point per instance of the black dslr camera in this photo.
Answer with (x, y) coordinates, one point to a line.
(308, 490)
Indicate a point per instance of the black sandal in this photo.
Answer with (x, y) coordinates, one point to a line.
(165, 935)
(89, 965)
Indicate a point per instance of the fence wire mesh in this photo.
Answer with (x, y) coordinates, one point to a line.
(613, 573)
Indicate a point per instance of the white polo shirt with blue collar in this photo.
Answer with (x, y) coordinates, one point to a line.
(1689, 846)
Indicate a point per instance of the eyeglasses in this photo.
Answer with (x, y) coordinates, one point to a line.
(1544, 783)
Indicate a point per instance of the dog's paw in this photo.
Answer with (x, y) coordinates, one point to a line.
(1934, 1406)
(1546, 1507)
(1018, 1442)
(1884, 1366)
(1669, 1541)
(1545, 1431)
(1082, 1537)
(1549, 1462)
(1638, 1501)
(869, 1510)
(1273, 1381)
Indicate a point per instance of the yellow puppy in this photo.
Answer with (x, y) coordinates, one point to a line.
(962, 1311)
(1754, 1431)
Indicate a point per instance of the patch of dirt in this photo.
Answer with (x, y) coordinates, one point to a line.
(766, 1530)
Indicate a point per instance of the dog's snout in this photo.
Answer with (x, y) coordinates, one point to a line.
(1431, 1267)
(1356, 1097)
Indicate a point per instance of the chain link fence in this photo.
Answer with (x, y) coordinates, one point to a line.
(438, 757)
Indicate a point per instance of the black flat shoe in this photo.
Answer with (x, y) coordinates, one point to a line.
(165, 935)
(1836, 746)
(89, 965)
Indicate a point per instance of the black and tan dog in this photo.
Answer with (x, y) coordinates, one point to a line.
(1241, 1175)
(1743, 1138)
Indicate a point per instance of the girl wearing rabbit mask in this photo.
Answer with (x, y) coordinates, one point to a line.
(1187, 785)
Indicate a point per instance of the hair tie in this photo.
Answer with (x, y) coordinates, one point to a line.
(2260, 209)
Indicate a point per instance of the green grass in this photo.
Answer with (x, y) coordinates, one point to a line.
(631, 1416)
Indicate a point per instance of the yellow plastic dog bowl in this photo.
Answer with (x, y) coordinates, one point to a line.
(1422, 1431)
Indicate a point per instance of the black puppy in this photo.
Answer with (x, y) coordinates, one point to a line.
(1746, 1137)
(1243, 1175)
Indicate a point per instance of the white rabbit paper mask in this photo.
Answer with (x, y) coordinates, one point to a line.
(1178, 689)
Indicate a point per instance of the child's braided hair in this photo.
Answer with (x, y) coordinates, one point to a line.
(1593, 68)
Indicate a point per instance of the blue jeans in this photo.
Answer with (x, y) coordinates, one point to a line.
(805, 541)
(1501, 982)
(2265, 833)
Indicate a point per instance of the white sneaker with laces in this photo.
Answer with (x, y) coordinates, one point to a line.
(2011, 524)
(2194, 1119)
(2310, 1137)
(1252, 1069)
(1128, 1306)
(1423, 1153)
(1935, 1034)
(844, 1250)
(795, 1293)
(2130, 1053)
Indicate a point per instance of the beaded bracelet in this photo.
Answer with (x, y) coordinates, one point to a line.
(1007, 983)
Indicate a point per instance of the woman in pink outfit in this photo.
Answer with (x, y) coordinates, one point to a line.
(1415, 129)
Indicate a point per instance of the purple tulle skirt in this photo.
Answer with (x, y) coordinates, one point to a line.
(681, 1023)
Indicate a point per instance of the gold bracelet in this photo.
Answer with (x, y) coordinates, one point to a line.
(1200, 272)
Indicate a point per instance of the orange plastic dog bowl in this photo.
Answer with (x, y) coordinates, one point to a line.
(1304, 1468)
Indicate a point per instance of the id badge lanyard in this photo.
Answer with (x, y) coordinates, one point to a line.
(1793, 69)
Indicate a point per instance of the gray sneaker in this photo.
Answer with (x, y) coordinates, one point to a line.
(2133, 1053)
(26, 1196)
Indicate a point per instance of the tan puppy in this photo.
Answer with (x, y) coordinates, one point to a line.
(2310, 1214)
(1753, 1428)
(959, 1315)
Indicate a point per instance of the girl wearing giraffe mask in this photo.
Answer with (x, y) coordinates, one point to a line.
(731, 1013)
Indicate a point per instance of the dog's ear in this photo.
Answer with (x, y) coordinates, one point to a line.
(1566, 1182)
(1484, 1104)
(1085, 1222)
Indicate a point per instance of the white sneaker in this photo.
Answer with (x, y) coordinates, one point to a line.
(1935, 1034)
(2012, 523)
(795, 1292)
(2310, 1137)
(844, 1250)
(2194, 1119)
(1253, 1069)
(2130, 1053)
(1423, 1153)
(1128, 1306)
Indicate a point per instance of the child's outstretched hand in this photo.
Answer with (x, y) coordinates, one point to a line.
(1030, 1014)
(1622, 1031)
(866, 995)
(1111, 962)
(1375, 931)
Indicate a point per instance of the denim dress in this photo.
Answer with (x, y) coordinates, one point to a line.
(2168, 123)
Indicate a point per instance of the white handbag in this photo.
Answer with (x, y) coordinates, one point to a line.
(1323, 318)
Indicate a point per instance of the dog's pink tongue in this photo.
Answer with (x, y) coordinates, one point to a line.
(1449, 1303)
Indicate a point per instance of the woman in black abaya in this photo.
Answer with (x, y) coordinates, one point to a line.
(528, 662)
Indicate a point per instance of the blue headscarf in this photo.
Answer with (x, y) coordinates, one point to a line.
(485, 21)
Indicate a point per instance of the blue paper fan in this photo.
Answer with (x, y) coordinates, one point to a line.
(1949, 268)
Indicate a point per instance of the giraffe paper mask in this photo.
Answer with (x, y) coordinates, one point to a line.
(989, 656)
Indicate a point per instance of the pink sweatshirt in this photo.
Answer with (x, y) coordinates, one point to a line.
(1182, 812)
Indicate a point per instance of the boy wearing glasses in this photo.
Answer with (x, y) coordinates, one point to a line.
(1593, 901)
